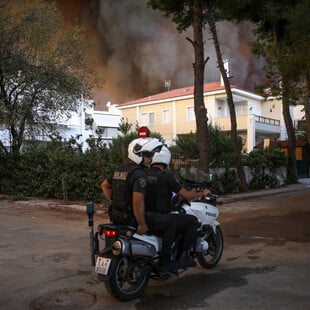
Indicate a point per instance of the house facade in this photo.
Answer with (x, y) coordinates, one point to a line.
(172, 113)
(81, 125)
(106, 122)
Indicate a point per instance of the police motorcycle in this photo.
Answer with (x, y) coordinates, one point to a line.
(126, 261)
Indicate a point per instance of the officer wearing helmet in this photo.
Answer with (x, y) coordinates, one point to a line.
(161, 186)
(126, 186)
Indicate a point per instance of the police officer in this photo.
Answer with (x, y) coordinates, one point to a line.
(161, 186)
(125, 187)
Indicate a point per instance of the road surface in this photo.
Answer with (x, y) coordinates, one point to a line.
(45, 261)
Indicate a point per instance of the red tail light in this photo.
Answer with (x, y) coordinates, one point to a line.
(110, 233)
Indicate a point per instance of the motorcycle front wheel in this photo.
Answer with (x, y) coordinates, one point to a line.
(128, 279)
(210, 258)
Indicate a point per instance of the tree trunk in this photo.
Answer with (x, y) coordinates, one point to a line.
(199, 106)
(306, 102)
(292, 164)
(233, 120)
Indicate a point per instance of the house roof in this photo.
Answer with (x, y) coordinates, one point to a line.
(283, 144)
(175, 93)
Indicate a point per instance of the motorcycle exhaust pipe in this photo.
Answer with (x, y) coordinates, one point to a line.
(123, 246)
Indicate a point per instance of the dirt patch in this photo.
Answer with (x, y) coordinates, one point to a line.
(65, 299)
(270, 229)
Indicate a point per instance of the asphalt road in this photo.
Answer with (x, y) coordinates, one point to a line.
(45, 262)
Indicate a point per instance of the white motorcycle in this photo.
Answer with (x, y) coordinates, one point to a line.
(127, 260)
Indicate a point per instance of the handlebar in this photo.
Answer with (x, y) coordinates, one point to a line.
(210, 198)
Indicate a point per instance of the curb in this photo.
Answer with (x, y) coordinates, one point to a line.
(263, 193)
(225, 199)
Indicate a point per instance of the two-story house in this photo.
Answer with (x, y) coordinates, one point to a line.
(171, 113)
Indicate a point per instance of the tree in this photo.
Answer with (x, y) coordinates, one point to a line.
(186, 13)
(44, 70)
(198, 14)
(220, 145)
(285, 47)
(299, 28)
(285, 72)
(210, 14)
(124, 127)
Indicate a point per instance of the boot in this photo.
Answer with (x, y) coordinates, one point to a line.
(186, 260)
(167, 265)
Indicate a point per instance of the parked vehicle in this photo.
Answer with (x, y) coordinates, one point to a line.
(127, 261)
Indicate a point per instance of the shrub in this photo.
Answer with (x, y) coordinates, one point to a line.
(62, 170)
(266, 166)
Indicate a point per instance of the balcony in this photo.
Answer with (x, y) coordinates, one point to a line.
(266, 124)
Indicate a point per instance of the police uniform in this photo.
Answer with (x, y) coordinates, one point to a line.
(161, 185)
(125, 180)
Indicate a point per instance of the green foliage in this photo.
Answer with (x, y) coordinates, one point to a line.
(301, 132)
(282, 39)
(44, 70)
(187, 145)
(180, 12)
(226, 182)
(220, 147)
(61, 169)
(266, 165)
(57, 171)
(124, 127)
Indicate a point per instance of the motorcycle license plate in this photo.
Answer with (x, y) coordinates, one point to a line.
(102, 265)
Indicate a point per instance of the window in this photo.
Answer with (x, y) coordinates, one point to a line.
(147, 119)
(143, 119)
(190, 114)
(241, 108)
(151, 118)
(107, 131)
(166, 116)
(220, 109)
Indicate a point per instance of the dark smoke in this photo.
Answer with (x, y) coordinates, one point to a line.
(139, 49)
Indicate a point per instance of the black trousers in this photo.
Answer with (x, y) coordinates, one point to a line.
(164, 226)
(169, 226)
(186, 226)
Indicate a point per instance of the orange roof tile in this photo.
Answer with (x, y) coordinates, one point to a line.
(174, 93)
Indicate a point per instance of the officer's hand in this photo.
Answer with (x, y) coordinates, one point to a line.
(206, 192)
(142, 229)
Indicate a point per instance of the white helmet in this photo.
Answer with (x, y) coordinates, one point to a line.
(141, 146)
(163, 157)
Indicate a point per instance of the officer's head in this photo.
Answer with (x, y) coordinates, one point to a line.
(143, 149)
(163, 157)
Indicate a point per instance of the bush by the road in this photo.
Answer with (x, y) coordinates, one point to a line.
(62, 170)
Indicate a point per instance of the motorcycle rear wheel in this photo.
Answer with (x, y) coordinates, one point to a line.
(128, 279)
(212, 256)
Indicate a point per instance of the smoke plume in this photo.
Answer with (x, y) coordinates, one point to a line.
(138, 49)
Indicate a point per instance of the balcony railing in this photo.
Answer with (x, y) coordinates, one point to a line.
(267, 120)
